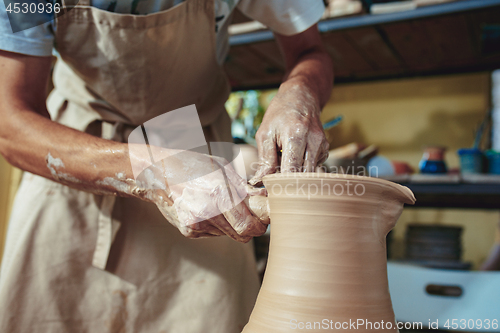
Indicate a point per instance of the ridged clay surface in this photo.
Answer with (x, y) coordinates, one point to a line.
(327, 256)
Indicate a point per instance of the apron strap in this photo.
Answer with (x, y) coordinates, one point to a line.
(105, 234)
(201, 5)
(107, 228)
(66, 3)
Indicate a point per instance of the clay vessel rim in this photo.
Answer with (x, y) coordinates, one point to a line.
(331, 176)
(318, 175)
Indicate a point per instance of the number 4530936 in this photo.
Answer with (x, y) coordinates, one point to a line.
(33, 8)
(463, 324)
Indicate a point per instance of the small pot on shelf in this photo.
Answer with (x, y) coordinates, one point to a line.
(432, 161)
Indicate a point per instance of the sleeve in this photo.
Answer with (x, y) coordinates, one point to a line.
(35, 41)
(286, 17)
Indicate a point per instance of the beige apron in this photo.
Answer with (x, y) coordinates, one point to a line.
(65, 268)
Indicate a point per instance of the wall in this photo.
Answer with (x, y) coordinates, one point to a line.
(401, 117)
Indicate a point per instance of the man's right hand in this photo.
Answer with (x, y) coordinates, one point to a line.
(201, 195)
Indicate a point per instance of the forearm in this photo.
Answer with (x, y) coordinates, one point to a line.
(38, 145)
(313, 74)
(31, 141)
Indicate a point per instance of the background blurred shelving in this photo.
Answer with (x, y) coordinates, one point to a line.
(454, 37)
(483, 196)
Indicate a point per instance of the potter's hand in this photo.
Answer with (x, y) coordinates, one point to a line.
(202, 196)
(291, 126)
(291, 123)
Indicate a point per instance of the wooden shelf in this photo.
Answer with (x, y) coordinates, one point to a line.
(455, 37)
(486, 196)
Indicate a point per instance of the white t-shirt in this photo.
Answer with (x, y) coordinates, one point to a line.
(286, 17)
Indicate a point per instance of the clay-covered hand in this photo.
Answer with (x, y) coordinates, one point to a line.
(291, 128)
(201, 195)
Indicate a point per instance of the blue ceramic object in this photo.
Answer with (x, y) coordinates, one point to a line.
(471, 160)
(426, 166)
(432, 161)
(493, 162)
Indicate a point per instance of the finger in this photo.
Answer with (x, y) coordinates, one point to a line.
(207, 221)
(221, 223)
(310, 157)
(221, 200)
(268, 159)
(254, 191)
(243, 207)
(205, 227)
(309, 160)
(324, 155)
(246, 225)
(243, 222)
(194, 235)
(259, 207)
(293, 152)
(198, 229)
(238, 185)
(197, 236)
(315, 151)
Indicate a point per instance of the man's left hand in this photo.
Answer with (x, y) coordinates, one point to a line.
(292, 130)
(291, 135)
